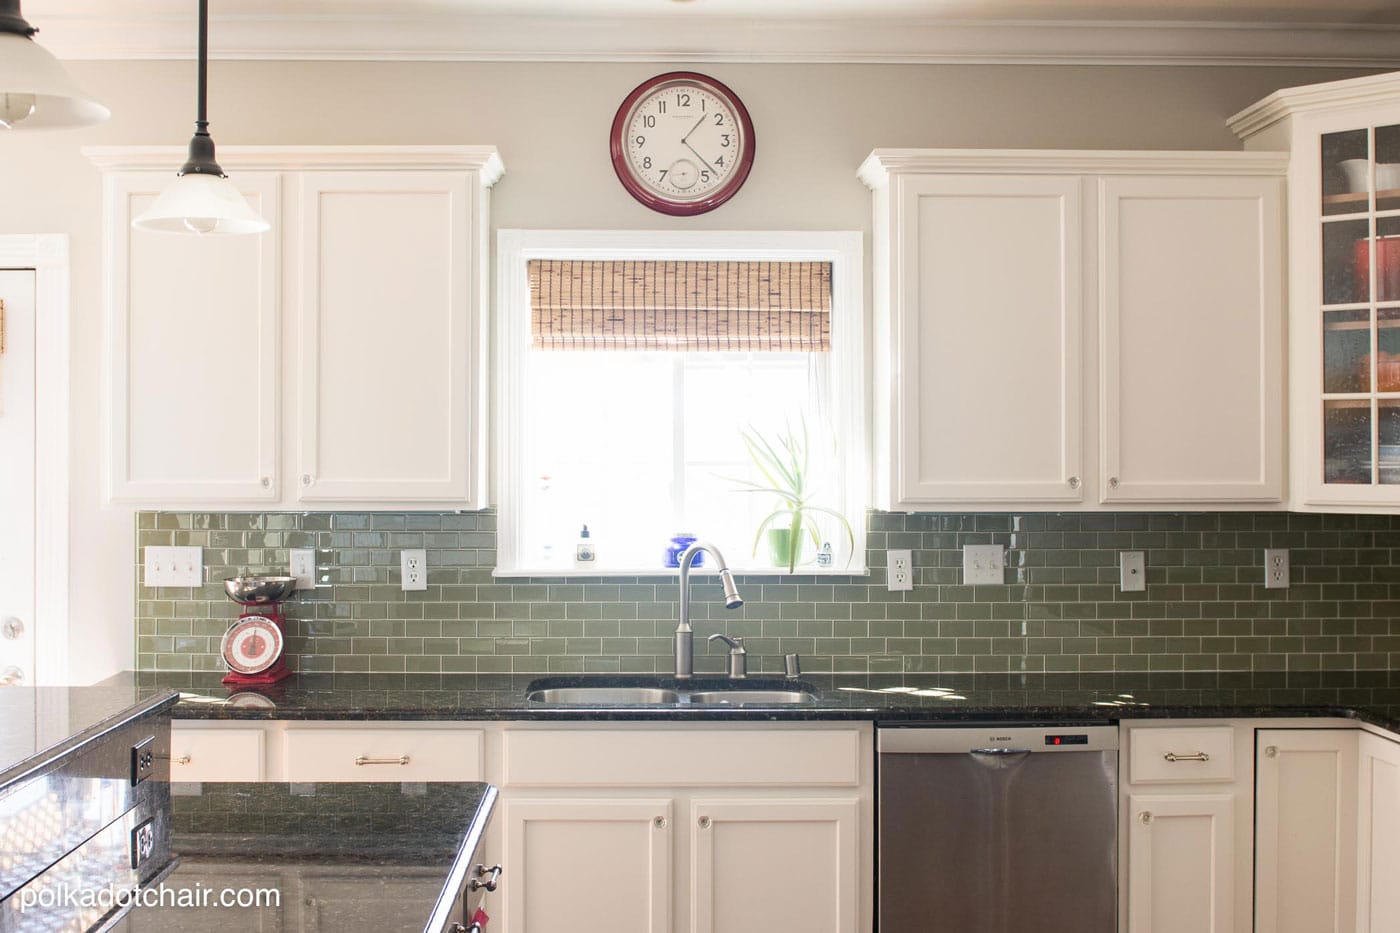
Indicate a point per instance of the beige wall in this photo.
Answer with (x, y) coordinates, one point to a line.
(814, 125)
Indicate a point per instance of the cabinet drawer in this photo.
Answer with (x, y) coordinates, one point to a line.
(1152, 751)
(681, 758)
(198, 754)
(404, 753)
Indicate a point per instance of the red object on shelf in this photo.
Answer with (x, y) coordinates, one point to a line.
(1387, 267)
(278, 671)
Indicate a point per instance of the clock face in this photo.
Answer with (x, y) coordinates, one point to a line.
(682, 143)
(251, 645)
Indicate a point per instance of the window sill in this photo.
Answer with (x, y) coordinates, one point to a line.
(855, 570)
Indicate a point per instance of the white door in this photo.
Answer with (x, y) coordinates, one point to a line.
(1305, 831)
(986, 339)
(1181, 863)
(1191, 400)
(1378, 865)
(17, 570)
(767, 866)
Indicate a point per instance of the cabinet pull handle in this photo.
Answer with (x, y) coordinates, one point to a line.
(1199, 756)
(1145, 818)
(183, 760)
(1073, 482)
(401, 760)
(490, 883)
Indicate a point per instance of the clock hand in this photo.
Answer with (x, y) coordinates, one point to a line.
(698, 156)
(692, 130)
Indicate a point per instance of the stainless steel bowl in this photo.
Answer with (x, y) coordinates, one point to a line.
(259, 591)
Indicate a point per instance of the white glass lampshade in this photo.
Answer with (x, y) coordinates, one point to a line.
(204, 204)
(36, 92)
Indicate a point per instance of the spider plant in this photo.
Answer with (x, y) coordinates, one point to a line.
(784, 464)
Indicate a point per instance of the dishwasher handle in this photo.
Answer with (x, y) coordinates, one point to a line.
(1008, 752)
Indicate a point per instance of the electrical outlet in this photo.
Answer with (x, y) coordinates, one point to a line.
(143, 760)
(1132, 571)
(984, 564)
(143, 842)
(174, 566)
(900, 577)
(303, 567)
(1276, 575)
(413, 565)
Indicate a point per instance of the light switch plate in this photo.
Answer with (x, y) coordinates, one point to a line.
(984, 564)
(1132, 571)
(303, 567)
(174, 566)
(1276, 575)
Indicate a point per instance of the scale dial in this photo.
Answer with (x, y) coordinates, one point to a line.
(251, 645)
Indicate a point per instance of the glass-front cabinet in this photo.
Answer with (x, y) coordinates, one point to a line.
(1344, 282)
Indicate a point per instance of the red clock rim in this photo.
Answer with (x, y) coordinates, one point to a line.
(251, 622)
(655, 201)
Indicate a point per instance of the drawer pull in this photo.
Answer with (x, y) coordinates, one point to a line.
(1199, 756)
(490, 883)
(183, 760)
(401, 760)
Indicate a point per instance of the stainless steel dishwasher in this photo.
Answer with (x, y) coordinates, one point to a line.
(998, 829)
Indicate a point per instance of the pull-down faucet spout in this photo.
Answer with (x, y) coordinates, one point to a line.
(685, 635)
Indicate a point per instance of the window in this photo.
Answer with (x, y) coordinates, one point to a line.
(631, 365)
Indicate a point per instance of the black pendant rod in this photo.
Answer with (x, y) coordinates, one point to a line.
(201, 159)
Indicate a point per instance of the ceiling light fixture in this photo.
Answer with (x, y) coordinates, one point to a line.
(35, 91)
(201, 199)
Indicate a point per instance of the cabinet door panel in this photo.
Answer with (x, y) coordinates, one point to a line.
(588, 866)
(1191, 400)
(764, 865)
(1305, 831)
(1181, 863)
(387, 345)
(1378, 866)
(195, 332)
(987, 339)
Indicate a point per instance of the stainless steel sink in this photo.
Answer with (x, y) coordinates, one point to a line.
(751, 698)
(603, 696)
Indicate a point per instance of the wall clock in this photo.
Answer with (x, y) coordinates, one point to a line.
(682, 143)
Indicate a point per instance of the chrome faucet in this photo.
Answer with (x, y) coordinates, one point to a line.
(685, 635)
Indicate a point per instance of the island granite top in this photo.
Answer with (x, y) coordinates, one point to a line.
(1367, 696)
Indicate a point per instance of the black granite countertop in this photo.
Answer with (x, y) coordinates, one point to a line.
(40, 725)
(355, 858)
(1367, 696)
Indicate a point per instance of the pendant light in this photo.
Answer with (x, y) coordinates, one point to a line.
(201, 199)
(35, 91)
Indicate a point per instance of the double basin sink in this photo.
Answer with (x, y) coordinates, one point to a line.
(658, 691)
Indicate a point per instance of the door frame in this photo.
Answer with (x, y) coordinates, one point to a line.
(47, 255)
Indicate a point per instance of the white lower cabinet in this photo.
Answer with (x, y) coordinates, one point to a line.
(1378, 819)
(1305, 831)
(761, 865)
(1181, 863)
(588, 866)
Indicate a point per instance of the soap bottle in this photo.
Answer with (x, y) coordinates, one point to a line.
(825, 557)
(584, 553)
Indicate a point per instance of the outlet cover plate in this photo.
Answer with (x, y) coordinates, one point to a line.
(1132, 571)
(900, 576)
(174, 566)
(303, 567)
(984, 564)
(413, 566)
(1276, 571)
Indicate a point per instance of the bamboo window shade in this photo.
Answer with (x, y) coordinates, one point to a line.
(682, 305)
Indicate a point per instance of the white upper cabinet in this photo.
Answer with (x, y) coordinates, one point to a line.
(1068, 329)
(369, 294)
(1344, 285)
(194, 336)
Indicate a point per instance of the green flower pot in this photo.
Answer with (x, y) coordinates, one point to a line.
(780, 548)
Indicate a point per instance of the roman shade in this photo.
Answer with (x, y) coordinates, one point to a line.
(681, 305)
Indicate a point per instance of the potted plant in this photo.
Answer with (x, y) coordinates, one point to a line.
(783, 462)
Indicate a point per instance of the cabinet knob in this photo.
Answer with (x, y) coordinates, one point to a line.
(659, 822)
(703, 822)
(1145, 817)
(490, 883)
(13, 628)
(306, 479)
(1271, 751)
(266, 482)
(1113, 482)
(11, 676)
(1073, 482)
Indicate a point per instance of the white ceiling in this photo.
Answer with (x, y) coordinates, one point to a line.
(1323, 32)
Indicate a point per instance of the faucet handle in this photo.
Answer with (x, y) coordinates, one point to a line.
(738, 655)
(735, 644)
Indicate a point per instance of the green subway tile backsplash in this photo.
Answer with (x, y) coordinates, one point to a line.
(1205, 607)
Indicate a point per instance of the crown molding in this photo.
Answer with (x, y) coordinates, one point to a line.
(485, 160)
(1334, 95)
(505, 37)
(881, 164)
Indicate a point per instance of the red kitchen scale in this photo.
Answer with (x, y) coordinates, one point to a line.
(254, 645)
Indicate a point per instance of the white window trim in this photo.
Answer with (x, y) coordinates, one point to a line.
(844, 249)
